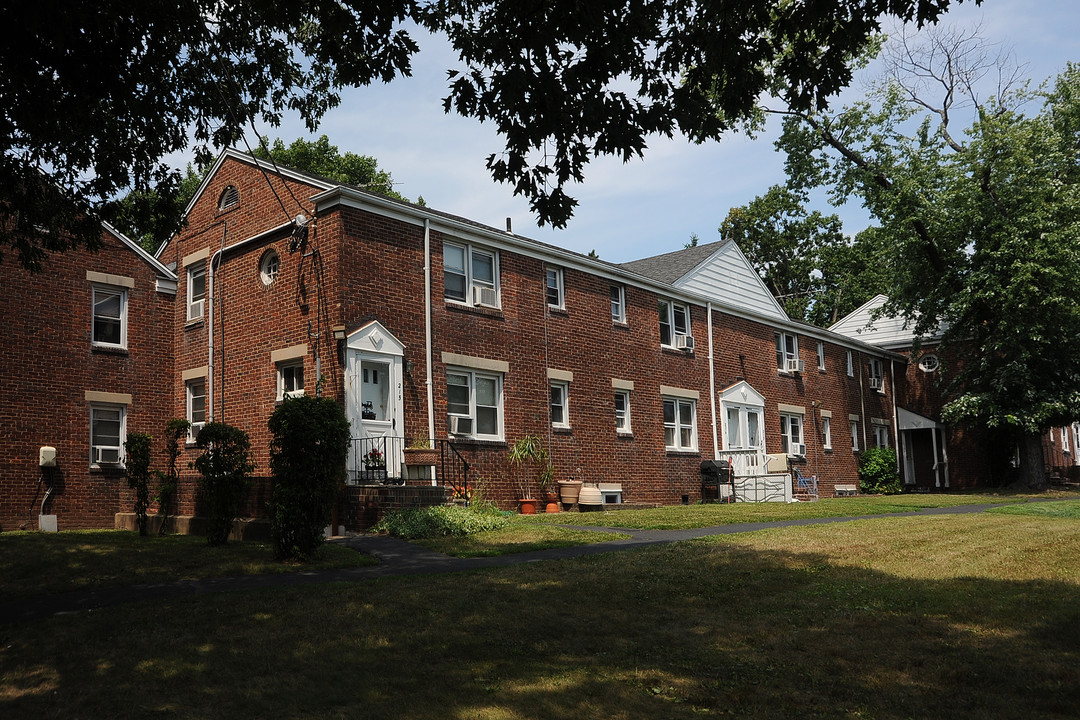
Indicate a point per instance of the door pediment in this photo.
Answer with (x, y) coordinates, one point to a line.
(374, 338)
(742, 393)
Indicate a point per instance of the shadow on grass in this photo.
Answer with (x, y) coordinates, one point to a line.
(700, 628)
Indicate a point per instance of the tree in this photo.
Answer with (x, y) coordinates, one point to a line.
(225, 467)
(308, 451)
(815, 271)
(119, 86)
(983, 227)
(321, 158)
(151, 216)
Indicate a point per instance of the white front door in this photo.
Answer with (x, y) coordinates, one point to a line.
(374, 403)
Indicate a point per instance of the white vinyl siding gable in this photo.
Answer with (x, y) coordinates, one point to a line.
(727, 277)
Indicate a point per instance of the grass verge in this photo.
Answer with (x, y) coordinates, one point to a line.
(941, 616)
(34, 564)
(518, 537)
(676, 517)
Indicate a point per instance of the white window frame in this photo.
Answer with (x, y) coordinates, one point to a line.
(1065, 439)
(671, 313)
(826, 432)
(740, 428)
(850, 365)
(286, 378)
(194, 389)
(618, 304)
(854, 435)
(470, 253)
(622, 417)
(96, 408)
(881, 435)
(677, 426)
(471, 377)
(785, 350)
(196, 307)
(560, 404)
(820, 355)
(554, 284)
(875, 368)
(98, 294)
(792, 436)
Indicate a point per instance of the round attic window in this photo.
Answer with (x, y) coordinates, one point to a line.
(269, 266)
(929, 363)
(230, 198)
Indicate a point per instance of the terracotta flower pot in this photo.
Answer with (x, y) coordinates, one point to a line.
(552, 505)
(527, 506)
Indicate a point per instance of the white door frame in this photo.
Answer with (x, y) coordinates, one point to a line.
(368, 345)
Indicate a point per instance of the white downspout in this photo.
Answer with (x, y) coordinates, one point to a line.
(712, 388)
(210, 323)
(427, 328)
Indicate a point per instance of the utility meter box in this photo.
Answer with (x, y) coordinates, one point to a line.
(47, 456)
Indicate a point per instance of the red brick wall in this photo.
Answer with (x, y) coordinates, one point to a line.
(51, 365)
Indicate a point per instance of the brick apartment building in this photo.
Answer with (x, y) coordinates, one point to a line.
(423, 324)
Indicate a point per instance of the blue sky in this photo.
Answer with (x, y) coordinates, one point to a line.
(642, 208)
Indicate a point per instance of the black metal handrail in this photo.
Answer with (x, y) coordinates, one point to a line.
(382, 461)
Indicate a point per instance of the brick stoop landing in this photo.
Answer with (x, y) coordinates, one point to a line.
(364, 505)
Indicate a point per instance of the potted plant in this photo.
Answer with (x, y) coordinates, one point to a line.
(374, 464)
(419, 453)
(527, 451)
(546, 481)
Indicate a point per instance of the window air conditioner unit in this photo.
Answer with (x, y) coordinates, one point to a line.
(794, 365)
(106, 456)
(460, 425)
(195, 309)
(875, 383)
(799, 450)
(684, 342)
(485, 296)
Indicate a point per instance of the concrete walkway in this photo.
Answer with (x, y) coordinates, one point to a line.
(398, 558)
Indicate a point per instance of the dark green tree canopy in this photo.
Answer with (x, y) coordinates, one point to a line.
(94, 95)
(322, 158)
(982, 225)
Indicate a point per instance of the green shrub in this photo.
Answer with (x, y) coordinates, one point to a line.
(440, 520)
(226, 466)
(137, 470)
(169, 480)
(308, 450)
(877, 472)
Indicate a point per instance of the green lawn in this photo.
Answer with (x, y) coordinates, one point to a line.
(34, 563)
(964, 616)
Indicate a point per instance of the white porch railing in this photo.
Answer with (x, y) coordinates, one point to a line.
(752, 480)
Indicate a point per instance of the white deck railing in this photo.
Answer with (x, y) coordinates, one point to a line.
(752, 480)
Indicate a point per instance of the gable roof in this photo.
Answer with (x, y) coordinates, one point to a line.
(138, 249)
(885, 331)
(719, 271)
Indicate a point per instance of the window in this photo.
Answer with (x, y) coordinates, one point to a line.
(821, 356)
(477, 397)
(1065, 439)
(680, 424)
(470, 275)
(622, 411)
(876, 368)
(850, 365)
(743, 427)
(196, 406)
(106, 435)
(787, 352)
(791, 434)
(290, 380)
(269, 267)
(618, 304)
(560, 404)
(110, 316)
(826, 432)
(556, 297)
(196, 291)
(929, 363)
(674, 322)
(881, 435)
(855, 436)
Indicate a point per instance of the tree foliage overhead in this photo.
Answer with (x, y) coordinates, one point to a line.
(984, 224)
(119, 85)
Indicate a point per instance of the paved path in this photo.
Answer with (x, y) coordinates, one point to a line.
(398, 558)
